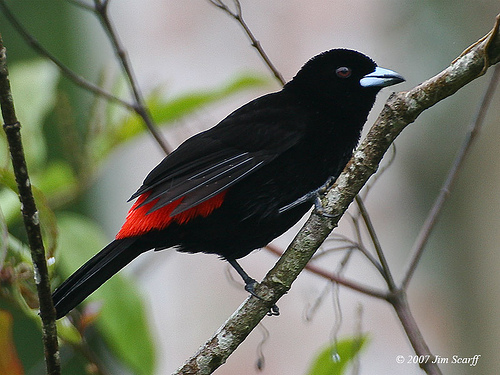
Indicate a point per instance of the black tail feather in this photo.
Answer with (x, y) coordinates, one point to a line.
(94, 273)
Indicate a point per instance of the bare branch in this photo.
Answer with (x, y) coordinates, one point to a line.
(400, 303)
(100, 9)
(238, 16)
(378, 248)
(31, 220)
(336, 278)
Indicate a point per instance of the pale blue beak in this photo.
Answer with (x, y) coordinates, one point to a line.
(381, 77)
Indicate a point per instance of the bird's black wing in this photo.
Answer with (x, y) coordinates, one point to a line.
(216, 159)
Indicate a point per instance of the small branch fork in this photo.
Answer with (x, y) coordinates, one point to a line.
(400, 110)
(100, 8)
(31, 220)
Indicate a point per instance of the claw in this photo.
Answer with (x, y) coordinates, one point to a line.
(313, 196)
(320, 209)
(250, 288)
(274, 310)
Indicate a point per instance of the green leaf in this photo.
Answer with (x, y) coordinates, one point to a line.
(9, 200)
(68, 332)
(122, 320)
(11, 208)
(187, 103)
(333, 359)
(34, 85)
(165, 111)
(57, 177)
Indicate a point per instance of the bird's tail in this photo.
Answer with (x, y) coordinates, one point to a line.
(94, 273)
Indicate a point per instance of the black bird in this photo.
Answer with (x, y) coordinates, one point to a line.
(237, 186)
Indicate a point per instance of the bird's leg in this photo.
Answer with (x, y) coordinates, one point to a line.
(250, 284)
(313, 196)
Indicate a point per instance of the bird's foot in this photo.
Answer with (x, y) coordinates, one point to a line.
(315, 197)
(318, 204)
(320, 209)
(250, 284)
(250, 288)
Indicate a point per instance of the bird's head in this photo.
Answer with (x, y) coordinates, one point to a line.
(342, 78)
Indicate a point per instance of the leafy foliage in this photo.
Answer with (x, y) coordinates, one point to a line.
(165, 112)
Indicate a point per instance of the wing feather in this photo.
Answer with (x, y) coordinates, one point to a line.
(210, 182)
(216, 159)
(180, 186)
(211, 190)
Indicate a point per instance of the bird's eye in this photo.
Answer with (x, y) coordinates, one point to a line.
(343, 72)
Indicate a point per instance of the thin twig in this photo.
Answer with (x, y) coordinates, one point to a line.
(101, 10)
(31, 220)
(68, 73)
(399, 302)
(354, 245)
(82, 5)
(430, 221)
(335, 278)
(376, 243)
(398, 299)
(360, 245)
(238, 16)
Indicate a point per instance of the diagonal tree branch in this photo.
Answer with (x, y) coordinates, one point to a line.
(400, 110)
(369, 291)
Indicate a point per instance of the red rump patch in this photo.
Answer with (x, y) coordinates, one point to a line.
(139, 221)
